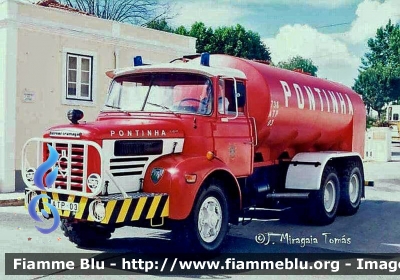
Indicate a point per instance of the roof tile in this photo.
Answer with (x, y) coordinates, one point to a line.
(57, 5)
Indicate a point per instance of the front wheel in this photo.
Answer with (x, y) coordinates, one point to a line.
(207, 226)
(84, 234)
(324, 202)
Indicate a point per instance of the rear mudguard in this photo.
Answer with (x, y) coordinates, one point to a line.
(182, 194)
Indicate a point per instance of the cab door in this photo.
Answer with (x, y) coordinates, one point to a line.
(232, 132)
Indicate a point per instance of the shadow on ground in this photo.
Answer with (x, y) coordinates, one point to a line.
(373, 217)
(241, 239)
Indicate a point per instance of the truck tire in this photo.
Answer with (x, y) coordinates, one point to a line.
(324, 202)
(83, 234)
(350, 189)
(206, 227)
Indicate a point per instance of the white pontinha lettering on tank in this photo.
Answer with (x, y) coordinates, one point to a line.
(329, 101)
(300, 96)
(310, 98)
(334, 102)
(286, 92)
(320, 98)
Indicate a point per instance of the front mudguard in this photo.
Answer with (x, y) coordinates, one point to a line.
(182, 195)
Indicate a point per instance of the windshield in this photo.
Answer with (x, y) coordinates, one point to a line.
(164, 92)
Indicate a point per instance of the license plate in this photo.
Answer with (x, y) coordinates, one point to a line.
(64, 205)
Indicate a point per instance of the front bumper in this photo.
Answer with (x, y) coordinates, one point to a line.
(118, 210)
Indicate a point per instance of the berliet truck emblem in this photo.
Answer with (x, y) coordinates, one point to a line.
(232, 151)
(63, 158)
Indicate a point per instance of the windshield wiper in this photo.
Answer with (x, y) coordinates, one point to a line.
(109, 106)
(118, 108)
(160, 106)
(163, 107)
(148, 92)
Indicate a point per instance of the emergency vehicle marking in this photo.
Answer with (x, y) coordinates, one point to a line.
(65, 133)
(273, 112)
(138, 133)
(117, 211)
(232, 151)
(329, 101)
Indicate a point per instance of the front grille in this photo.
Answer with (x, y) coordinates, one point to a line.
(77, 162)
(138, 147)
(127, 166)
(70, 167)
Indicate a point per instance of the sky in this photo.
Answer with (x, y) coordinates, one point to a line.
(333, 33)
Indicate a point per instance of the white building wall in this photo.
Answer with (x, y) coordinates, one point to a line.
(33, 45)
(8, 68)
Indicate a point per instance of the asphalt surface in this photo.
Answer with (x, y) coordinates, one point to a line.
(374, 229)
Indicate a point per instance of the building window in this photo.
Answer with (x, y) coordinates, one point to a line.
(395, 117)
(79, 77)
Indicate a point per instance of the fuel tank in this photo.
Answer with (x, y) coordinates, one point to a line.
(294, 112)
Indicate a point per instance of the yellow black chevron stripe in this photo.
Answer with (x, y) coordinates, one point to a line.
(139, 207)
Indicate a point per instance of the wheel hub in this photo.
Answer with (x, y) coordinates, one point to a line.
(210, 217)
(329, 196)
(354, 188)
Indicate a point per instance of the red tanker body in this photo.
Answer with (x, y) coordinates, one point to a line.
(297, 112)
(194, 145)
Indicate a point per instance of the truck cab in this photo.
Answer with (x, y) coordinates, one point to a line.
(163, 135)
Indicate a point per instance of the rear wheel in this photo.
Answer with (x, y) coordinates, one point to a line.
(324, 202)
(351, 189)
(207, 226)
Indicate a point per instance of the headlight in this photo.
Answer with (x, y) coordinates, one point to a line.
(93, 181)
(29, 175)
(156, 174)
(97, 210)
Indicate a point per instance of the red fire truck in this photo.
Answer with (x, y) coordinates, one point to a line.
(163, 152)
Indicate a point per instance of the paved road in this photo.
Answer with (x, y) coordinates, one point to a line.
(374, 229)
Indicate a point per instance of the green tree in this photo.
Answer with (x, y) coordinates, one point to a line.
(237, 41)
(299, 63)
(233, 40)
(374, 84)
(181, 30)
(160, 24)
(379, 74)
(203, 35)
(384, 48)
